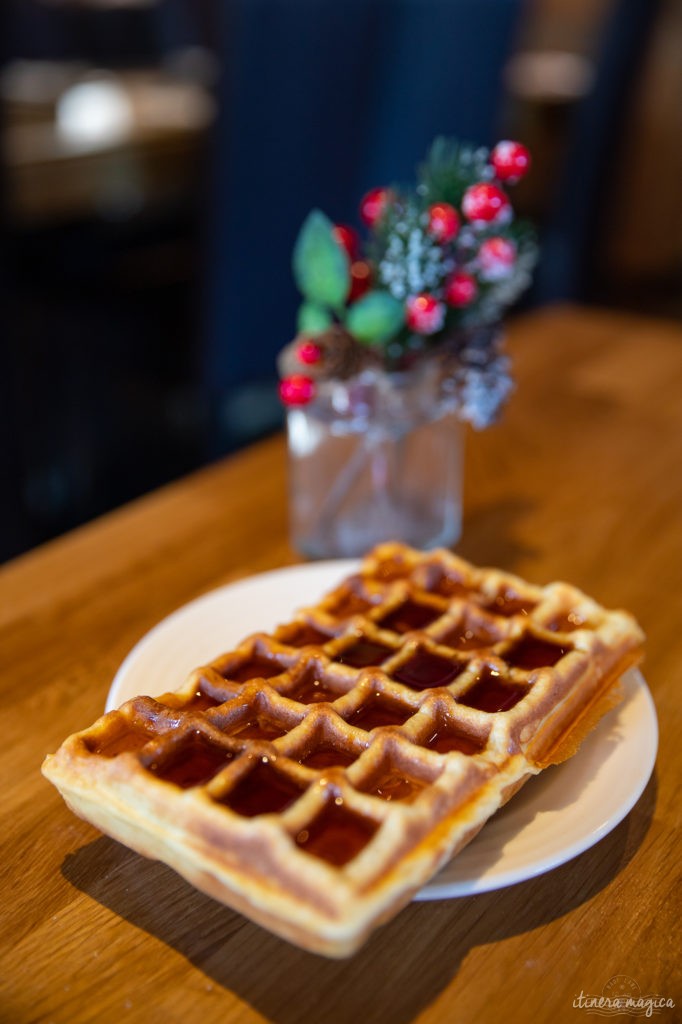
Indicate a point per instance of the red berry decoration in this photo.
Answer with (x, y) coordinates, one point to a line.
(510, 160)
(309, 352)
(348, 239)
(443, 222)
(360, 280)
(424, 314)
(374, 204)
(460, 289)
(296, 389)
(496, 257)
(486, 202)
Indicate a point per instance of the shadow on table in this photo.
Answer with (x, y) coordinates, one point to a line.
(488, 533)
(401, 970)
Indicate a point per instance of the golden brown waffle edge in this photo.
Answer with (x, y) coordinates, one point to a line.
(316, 778)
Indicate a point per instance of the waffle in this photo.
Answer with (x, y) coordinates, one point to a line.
(316, 777)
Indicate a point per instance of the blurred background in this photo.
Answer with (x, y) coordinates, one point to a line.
(159, 157)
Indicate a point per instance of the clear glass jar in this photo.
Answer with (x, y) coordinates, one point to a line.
(376, 457)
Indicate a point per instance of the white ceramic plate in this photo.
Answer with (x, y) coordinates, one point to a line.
(556, 815)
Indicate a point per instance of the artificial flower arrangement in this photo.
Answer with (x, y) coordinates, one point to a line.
(439, 265)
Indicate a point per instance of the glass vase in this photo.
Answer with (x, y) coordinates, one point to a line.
(376, 457)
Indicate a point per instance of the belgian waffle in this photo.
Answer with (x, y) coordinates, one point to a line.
(315, 778)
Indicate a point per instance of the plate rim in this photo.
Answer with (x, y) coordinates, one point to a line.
(489, 883)
(433, 890)
(214, 594)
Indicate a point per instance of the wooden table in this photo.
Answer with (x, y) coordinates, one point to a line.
(581, 480)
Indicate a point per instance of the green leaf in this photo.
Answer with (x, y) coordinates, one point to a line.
(313, 319)
(375, 318)
(320, 264)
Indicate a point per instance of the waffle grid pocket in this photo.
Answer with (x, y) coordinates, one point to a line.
(314, 778)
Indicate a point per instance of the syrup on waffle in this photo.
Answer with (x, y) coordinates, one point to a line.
(314, 779)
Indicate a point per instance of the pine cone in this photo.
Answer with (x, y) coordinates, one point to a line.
(341, 356)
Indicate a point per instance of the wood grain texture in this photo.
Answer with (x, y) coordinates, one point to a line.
(581, 480)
